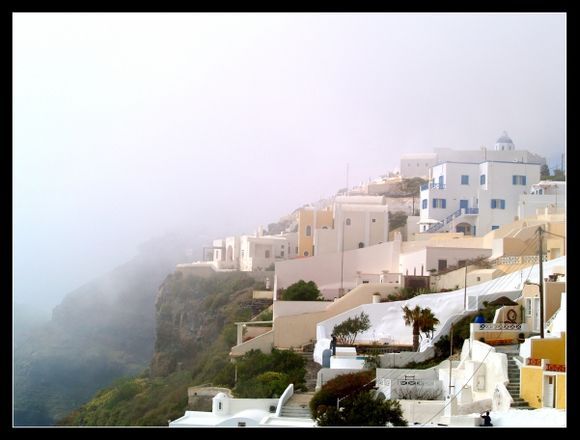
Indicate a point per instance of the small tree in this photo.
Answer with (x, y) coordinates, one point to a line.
(347, 331)
(544, 172)
(302, 291)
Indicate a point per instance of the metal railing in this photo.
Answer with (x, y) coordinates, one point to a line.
(453, 216)
(499, 326)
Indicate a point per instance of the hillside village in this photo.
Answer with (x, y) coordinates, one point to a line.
(482, 246)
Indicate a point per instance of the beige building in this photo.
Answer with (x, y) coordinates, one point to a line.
(309, 220)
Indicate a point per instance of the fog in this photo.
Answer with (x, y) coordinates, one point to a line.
(128, 126)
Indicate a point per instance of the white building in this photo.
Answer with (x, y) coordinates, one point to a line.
(359, 221)
(260, 252)
(474, 198)
(227, 411)
(251, 252)
(541, 195)
(418, 164)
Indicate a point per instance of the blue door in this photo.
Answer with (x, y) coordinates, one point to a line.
(463, 204)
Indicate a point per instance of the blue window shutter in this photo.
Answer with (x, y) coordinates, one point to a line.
(502, 204)
(444, 203)
(434, 203)
(514, 178)
(524, 180)
(492, 203)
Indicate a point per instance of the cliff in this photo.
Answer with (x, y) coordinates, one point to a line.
(194, 333)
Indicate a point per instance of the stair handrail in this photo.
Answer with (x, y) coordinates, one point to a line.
(285, 397)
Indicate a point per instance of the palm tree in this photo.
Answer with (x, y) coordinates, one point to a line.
(428, 321)
(421, 320)
(413, 317)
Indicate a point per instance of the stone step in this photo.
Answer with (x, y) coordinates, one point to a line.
(295, 411)
(521, 405)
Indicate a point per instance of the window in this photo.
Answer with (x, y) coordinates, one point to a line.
(348, 222)
(494, 227)
(219, 405)
(464, 179)
(296, 252)
(441, 265)
(461, 263)
(424, 204)
(439, 203)
(497, 204)
(478, 278)
(374, 220)
(518, 180)
(529, 307)
(482, 179)
(308, 231)
(267, 254)
(361, 245)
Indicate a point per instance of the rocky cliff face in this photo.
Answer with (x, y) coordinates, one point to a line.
(99, 332)
(191, 313)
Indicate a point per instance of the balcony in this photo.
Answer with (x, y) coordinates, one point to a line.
(432, 185)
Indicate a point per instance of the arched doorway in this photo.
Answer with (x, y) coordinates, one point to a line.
(463, 227)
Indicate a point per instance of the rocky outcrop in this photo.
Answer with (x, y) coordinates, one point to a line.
(191, 313)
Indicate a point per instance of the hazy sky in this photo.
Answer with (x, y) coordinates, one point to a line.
(130, 125)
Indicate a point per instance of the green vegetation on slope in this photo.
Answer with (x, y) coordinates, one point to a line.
(195, 332)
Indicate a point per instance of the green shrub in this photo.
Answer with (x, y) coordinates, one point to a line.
(339, 387)
(302, 291)
(363, 409)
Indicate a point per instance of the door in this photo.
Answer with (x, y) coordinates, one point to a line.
(549, 391)
(463, 204)
(536, 314)
(440, 182)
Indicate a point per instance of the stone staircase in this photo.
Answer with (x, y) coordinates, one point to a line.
(312, 369)
(297, 406)
(514, 382)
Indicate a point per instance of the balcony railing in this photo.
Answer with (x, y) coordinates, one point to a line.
(499, 326)
(451, 217)
(432, 185)
(409, 381)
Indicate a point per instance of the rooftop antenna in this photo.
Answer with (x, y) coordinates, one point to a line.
(347, 191)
